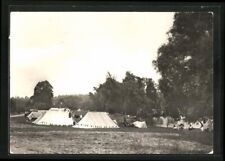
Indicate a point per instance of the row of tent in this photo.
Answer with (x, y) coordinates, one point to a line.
(62, 117)
(169, 122)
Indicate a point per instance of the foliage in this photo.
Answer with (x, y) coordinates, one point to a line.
(133, 96)
(185, 63)
(135, 99)
(42, 97)
(128, 97)
(73, 102)
(107, 96)
(18, 104)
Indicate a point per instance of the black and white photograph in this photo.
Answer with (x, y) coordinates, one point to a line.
(111, 82)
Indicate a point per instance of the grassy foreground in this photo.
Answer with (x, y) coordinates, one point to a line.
(26, 138)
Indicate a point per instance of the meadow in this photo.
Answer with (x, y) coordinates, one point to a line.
(27, 138)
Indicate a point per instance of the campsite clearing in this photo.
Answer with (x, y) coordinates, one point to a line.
(27, 138)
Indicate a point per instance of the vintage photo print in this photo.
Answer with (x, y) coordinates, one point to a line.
(111, 82)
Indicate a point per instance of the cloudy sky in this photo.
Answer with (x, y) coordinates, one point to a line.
(75, 50)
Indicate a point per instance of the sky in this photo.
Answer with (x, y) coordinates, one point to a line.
(75, 50)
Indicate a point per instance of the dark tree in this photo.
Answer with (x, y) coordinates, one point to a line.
(73, 102)
(107, 96)
(18, 104)
(151, 94)
(133, 94)
(43, 94)
(127, 97)
(185, 63)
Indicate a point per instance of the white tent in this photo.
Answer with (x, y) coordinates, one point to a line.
(96, 120)
(211, 152)
(164, 121)
(55, 116)
(182, 125)
(140, 124)
(35, 114)
(208, 125)
(167, 121)
(197, 125)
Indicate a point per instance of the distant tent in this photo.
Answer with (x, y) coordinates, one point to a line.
(55, 116)
(210, 124)
(35, 114)
(163, 121)
(211, 152)
(197, 125)
(96, 120)
(140, 124)
(186, 125)
(181, 123)
(207, 126)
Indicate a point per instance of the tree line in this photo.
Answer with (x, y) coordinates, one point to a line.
(131, 96)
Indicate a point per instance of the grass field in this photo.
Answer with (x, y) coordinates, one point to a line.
(26, 138)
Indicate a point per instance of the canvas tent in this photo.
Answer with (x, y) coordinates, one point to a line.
(208, 125)
(96, 120)
(211, 152)
(35, 114)
(55, 116)
(140, 124)
(164, 121)
(197, 125)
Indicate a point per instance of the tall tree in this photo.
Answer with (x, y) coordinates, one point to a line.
(128, 96)
(185, 63)
(133, 93)
(152, 94)
(43, 94)
(107, 96)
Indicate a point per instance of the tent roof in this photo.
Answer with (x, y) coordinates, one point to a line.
(55, 116)
(96, 120)
(36, 114)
